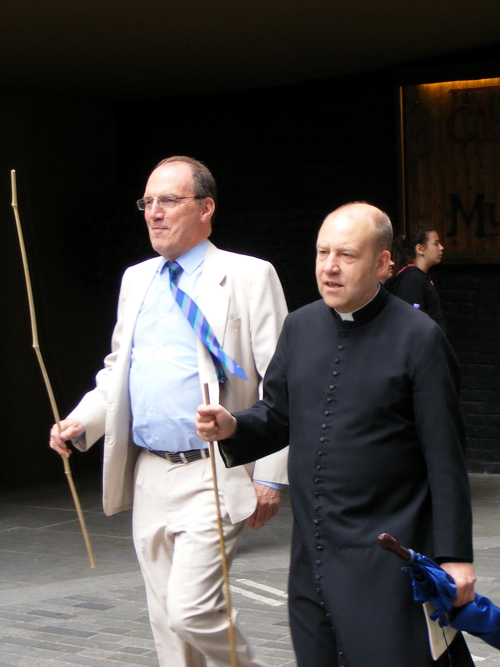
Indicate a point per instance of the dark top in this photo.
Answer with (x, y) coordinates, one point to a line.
(415, 287)
(376, 436)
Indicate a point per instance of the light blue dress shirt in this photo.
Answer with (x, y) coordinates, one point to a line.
(164, 383)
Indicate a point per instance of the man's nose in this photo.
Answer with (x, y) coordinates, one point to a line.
(331, 264)
(155, 209)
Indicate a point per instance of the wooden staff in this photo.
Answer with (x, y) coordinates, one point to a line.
(36, 347)
(225, 575)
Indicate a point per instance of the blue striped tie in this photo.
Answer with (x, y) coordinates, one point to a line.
(202, 328)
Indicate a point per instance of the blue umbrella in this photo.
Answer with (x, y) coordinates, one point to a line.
(480, 617)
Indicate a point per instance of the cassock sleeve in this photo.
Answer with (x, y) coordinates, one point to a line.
(441, 432)
(263, 428)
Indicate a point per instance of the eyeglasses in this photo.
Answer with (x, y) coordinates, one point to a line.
(164, 201)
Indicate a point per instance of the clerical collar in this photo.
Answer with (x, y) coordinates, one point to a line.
(367, 312)
(349, 317)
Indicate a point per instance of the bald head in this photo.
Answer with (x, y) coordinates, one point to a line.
(353, 252)
(363, 212)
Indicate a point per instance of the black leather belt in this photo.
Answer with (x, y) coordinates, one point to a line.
(183, 457)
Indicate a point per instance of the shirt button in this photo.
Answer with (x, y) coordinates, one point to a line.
(151, 410)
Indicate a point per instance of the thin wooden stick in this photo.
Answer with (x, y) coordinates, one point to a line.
(225, 574)
(36, 347)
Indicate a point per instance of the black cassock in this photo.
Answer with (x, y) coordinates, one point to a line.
(371, 412)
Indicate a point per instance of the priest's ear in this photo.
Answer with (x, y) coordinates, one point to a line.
(383, 261)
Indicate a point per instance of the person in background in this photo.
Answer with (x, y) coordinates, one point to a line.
(144, 400)
(414, 255)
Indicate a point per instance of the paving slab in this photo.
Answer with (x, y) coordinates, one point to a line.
(55, 611)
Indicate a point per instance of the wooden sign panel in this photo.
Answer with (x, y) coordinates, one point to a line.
(451, 165)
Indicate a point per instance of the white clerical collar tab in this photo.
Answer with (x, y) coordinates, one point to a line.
(347, 317)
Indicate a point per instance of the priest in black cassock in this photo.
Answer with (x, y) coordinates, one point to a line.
(364, 388)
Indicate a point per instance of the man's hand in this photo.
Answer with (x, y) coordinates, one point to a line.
(464, 577)
(268, 502)
(70, 428)
(213, 422)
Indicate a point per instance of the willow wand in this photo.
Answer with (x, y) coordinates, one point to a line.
(225, 575)
(36, 347)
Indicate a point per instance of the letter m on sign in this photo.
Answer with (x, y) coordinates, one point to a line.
(457, 207)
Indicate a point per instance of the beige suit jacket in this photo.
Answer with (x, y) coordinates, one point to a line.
(243, 301)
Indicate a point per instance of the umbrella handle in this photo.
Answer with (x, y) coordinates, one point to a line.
(389, 543)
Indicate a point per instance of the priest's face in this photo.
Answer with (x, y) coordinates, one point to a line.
(348, 265)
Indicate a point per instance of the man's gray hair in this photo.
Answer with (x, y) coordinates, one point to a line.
(204, 182)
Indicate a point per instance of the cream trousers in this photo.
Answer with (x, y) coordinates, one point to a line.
(177, 544)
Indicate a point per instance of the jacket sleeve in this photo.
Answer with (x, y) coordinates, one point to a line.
(267, 314)
(91, 411)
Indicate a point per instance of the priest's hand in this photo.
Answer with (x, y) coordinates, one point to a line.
(268, 502)
(213, 422)
(464, 577)
(70, 428)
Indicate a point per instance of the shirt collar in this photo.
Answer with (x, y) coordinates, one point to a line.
(191, 259)
(349, 317)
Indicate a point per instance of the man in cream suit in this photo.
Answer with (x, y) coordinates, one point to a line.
(144, 402)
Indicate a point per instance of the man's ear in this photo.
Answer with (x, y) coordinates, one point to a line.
(208, 210)
(383, 263)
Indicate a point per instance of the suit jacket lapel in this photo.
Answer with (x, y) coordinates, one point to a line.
(213, 299)
(136, 298)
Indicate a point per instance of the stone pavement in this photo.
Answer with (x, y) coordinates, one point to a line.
(57, 612)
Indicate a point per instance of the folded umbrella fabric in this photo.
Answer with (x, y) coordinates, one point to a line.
(430, 582)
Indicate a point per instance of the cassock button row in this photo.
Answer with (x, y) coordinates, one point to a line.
(322, 439)
(337, 360)
(327, 413)
(318, 467)
(329, 399)
(318, 577)
(317, 522)
(341, 347)
(319, 562)
(320, 547)
(323, 426)
(319, 452)
(335, 373)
